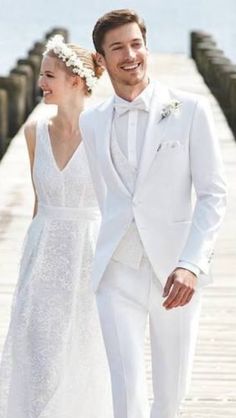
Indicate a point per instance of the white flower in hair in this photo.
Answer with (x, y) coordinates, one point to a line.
(71, 59)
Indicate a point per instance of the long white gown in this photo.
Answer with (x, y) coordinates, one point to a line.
(54, 363)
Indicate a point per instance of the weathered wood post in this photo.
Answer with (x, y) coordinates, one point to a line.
(26, 71)
(232, 98)
(15, 85)
(58, 31)
(31, 64)
(198, 37)
(215, 70)
(210, 56)
(224, 77)
(36, 61)
(218, 71)
(38, 48)
(201, 54)
(3, 121)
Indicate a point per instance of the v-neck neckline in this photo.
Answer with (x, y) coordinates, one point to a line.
(61, 171)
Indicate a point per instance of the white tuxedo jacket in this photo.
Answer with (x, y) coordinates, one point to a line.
(179, 151)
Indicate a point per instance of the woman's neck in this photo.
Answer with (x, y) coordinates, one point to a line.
(68, 116)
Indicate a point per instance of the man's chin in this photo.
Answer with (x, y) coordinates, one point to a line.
(135, 81)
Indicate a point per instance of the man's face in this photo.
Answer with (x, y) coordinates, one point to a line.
(125, 56)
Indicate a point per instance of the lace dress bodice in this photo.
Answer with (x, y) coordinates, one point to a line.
(72, 186)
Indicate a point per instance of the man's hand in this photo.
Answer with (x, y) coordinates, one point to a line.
(179, 288)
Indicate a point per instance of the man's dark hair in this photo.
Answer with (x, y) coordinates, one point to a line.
(112, 20)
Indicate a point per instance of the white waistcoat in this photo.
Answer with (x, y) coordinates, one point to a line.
(130, 250)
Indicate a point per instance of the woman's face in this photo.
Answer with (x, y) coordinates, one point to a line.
(54, 80)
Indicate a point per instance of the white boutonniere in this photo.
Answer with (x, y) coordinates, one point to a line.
(172, 107)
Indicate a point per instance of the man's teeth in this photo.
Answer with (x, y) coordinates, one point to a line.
(46, 92)
(130, 67)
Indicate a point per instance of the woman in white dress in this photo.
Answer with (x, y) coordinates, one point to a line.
(53, 363)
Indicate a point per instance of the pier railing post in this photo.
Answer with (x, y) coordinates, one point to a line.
(27, 72)
(3, 121)
(58, 31)
(218, 71)
(232, 99)
(36, 61)
(15, 85)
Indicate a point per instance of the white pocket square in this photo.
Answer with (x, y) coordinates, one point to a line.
(166, 145)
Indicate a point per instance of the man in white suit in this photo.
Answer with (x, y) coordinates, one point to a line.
(147, 146)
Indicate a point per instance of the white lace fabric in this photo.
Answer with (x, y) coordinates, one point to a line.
(54, 363)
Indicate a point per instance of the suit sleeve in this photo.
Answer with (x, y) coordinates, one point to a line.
(90, 147)
(210, 187)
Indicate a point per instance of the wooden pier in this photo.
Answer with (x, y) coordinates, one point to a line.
(213, 390)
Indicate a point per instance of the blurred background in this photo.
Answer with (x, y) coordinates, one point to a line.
(169, 23)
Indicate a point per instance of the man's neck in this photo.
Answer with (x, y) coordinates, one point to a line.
(130, 93)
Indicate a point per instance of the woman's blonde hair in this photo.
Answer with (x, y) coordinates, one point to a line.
(87, 58)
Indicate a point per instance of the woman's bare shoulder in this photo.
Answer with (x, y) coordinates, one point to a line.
(30, 134)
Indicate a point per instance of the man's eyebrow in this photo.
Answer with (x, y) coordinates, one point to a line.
(120, 43)
(114, 44)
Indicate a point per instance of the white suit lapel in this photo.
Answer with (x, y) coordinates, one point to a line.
(103, 146)
(155, 131)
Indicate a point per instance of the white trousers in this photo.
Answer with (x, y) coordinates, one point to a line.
(126, 298)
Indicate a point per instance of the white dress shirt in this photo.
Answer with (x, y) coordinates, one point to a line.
(129, 124)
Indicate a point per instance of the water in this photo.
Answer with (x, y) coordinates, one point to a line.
(169, 22)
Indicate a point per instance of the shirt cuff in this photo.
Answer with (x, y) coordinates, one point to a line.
(189, 266)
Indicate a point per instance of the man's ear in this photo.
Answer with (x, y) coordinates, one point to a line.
(100, 60)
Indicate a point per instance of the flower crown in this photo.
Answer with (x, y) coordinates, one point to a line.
(71, 59)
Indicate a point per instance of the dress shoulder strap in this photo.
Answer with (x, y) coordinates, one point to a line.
(41, 137)
(41, 129)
